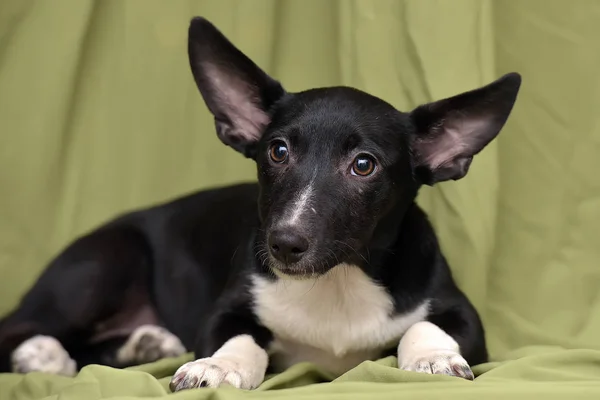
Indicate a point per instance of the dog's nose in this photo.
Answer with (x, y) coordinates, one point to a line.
(287, 246)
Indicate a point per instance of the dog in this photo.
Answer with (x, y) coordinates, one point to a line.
(327, 258)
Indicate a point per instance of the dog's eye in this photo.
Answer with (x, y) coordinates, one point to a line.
(363, 165)
(278, 152)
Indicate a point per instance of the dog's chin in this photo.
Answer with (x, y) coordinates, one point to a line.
(296, 271)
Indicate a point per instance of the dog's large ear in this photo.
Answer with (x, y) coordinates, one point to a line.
(449, 132)
(236, 91)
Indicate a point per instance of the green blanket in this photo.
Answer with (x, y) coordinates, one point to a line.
(99, 114)
(544, 373)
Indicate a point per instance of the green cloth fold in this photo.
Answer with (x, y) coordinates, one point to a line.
(531, 374)
(99, 114)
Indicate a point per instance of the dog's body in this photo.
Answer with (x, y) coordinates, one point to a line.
(326, 259)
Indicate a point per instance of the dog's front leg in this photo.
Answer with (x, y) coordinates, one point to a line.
(426, 348)
(231, 349)
(240, 362)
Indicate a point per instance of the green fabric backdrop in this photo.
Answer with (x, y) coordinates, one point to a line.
(99, 114)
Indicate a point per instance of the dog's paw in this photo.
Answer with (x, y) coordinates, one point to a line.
(150, 343)
(211, 372)
(440, 362)
(42, 354)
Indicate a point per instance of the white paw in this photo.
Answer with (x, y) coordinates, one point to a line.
(212, 372)
(42, 354)
(150, 343)
(442, 362)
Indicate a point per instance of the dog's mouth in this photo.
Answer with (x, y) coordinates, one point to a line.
(305, 268)
(308, 266)
(289, 252)
(300, 270)
(291, 272)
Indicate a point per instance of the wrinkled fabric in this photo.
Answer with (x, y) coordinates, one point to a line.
(99, 115)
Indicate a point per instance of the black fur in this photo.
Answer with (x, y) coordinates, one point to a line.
(186, 264)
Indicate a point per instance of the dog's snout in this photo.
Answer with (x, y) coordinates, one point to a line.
(287, 246)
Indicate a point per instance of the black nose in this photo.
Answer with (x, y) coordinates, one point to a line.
(287, 246)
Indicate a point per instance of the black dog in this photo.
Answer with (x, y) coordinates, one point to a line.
(327, 259)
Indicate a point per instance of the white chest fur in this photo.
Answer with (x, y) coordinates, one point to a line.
(335, 321)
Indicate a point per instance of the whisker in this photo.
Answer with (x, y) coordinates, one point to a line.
(354, 250)
(330, 252)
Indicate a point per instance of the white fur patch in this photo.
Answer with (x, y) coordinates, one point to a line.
(240, 362)
(427, 348)
(42, 354)
(335, 321)
(301, 204)
(149, 343)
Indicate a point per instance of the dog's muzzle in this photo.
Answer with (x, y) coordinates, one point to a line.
(287, 246)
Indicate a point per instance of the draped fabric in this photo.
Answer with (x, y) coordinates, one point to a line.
(99, 115)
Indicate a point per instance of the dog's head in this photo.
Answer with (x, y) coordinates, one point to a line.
(337, 167)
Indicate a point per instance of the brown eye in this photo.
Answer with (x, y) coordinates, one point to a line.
(363, 165)
(278, 152)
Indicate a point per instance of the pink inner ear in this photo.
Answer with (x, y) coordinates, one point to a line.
(456, 137)
(239, 103)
